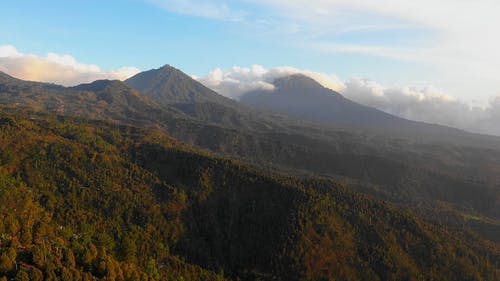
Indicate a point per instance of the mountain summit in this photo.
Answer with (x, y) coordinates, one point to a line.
(169, 85)
(296, 81)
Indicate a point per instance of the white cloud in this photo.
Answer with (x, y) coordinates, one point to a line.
(456, 39)
(9, 51)
(426, 104)
(236, 81)
(213, 9)
(55, 68)
(460, 24)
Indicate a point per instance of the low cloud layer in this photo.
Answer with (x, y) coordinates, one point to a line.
(426, 104)
(55, 68)
(235, 82)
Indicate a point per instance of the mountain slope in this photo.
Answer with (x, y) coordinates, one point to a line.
(7, 79)
(301, 96)
(128, 202)
(103, 99)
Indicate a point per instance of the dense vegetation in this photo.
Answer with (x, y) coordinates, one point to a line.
(82, 199)
(460, 172)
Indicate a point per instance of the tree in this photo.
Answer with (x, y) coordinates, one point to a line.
(22, 276)
(36, 275)
(89, 254)
(8, 260)
(152, 270)
(26, 236)
(66, 275)
(40, 255)
(69, 258)
(128, 249)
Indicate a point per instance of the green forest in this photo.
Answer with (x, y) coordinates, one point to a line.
(87, 200)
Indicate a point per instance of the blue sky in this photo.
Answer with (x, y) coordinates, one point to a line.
(146, 35)
(426, 60)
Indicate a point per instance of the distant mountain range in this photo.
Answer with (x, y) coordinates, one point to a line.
(299, 98)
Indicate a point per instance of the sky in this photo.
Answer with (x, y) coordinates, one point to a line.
(434, 61)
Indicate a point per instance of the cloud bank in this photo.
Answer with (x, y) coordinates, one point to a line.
(426, 104)
(237, 81)
(453, 29)
(55, 68)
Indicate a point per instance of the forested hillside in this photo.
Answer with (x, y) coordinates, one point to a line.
(88, 199)
(453, 179)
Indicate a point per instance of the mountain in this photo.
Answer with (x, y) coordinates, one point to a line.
(303, 97)
(169, 85)
(177, 91)
(115, 100)
(103, 99)
(87, 200)
(298, 104)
